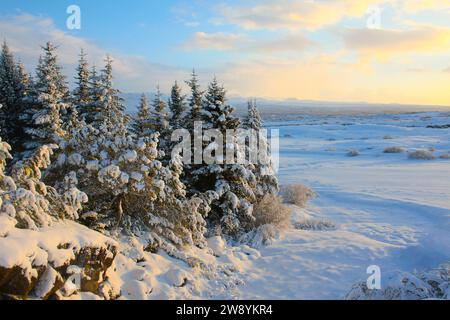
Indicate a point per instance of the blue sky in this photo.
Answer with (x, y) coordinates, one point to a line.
(304, 49)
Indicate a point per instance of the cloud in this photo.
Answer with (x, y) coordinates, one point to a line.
(292, 14)
(293, 42)
(383, 44)
(26, 34)
(212, 41)
(413, 6)
(289, 43)
(326, 78)
(185, 14)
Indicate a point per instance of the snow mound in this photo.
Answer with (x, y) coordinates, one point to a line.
(434, 284)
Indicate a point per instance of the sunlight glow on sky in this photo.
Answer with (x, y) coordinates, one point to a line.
(303, 49)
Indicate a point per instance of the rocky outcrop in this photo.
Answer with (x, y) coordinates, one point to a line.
(54, 262)
(18, 282)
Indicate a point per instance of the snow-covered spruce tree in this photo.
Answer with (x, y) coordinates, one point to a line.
(160, 119)
(267, 182)
(129, 188)
(233, 183)
(253, 120)
(27, 200)
(177, 107)
(142, 125)
(81, 94)
(195, 102)
(104, 106)
(111, 104)
(13, 85)
(91, 113)
(45, 124)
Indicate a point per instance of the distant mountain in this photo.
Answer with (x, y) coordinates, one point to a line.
(272, 108)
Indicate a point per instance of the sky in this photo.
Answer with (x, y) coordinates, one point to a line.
(391, 51)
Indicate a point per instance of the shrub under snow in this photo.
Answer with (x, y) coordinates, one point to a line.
(394, 150)
(315, 225)
(30, 202)
(433, 284)
(421, 155)
(353, 153)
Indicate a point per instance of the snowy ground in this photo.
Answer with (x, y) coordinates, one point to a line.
(384, 209)
(389, 210)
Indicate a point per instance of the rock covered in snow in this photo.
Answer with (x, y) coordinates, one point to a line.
(38, 263)
(177, 277)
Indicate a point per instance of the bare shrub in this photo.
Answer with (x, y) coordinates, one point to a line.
(445, 156)
(421, 155)
(388, 137)
(353, 153)
(271, 210)
(297, 194)
(394, 150)
(315, 225)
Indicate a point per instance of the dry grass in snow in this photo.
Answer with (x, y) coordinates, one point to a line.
(421, 155)
(297, 194)
(394, 150)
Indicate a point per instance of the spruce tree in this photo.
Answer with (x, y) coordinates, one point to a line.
(161, 121)
(46, 125)
(91, 113)
(177, 107)
(233, 183)
(195, 102)
(111, 104)
(142, 124)
(267, 182)
(160, 112)
(13, 85)
(81, 93)
(104, 108)
(216, 114)
(253, 119)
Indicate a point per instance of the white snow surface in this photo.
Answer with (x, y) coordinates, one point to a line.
(388, 210)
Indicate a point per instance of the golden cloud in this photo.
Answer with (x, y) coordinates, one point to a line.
(383, 44)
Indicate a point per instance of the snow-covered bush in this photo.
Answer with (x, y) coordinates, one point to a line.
(433, 284)
(421, 155)
(261, 236)
(297, 194)
(394, 150)
(28, 200)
